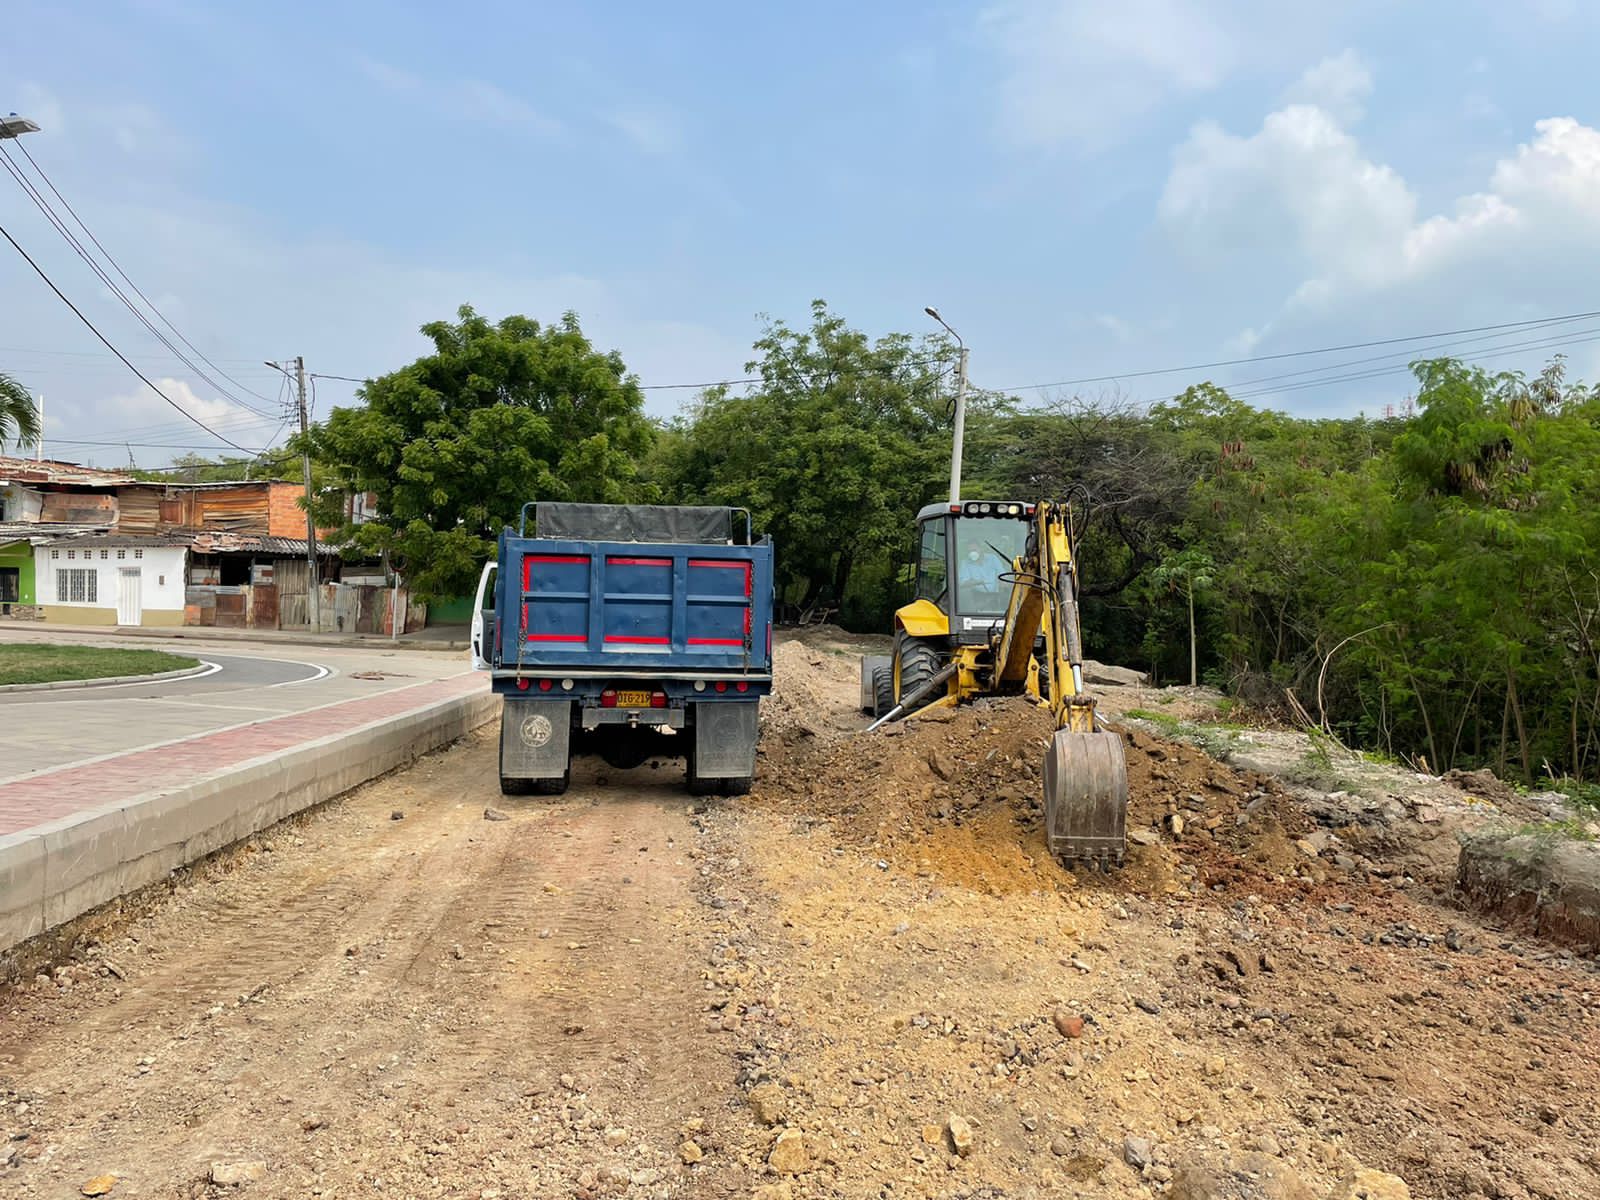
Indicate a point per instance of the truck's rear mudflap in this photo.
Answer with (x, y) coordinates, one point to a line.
(535, 738)
(725, 739)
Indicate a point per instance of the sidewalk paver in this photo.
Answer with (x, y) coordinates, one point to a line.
(63, 792)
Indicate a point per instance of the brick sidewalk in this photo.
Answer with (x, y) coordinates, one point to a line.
(63, 791)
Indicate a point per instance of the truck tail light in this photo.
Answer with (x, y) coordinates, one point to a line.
(608, 698)
(658, 699)
(546, 684)
(722, 685)
(522, 685)
(742, 686)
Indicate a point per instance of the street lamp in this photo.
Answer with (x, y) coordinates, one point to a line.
(13, 126)
(960, 430)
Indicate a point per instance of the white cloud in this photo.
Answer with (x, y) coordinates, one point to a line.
(1300, 211)
(1338, 85)
(461, 99)
(652, 130)
(1074, 69)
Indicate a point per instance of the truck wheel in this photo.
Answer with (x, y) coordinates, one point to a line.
(515, 787)
(915, 662)
(550, 787)
(739, 785)
(697, 786)
(882, 690)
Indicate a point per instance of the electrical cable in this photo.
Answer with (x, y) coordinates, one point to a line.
(106, 280)
(45, 207)
(1233, 362)
(39, 271)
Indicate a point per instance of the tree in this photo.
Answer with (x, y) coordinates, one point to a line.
(833, 453)
(197, 468)
(455, 443)
(1188, 572)
(19, 419)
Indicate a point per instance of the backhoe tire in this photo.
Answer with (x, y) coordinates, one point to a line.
(882, 690)
(916, 662)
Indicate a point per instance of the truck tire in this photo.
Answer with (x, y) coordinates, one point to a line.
(550, 787)
(739, 785)
(691, 777)
(916, 662)
(510, 786)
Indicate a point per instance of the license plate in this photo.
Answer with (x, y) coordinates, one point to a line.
(633, 699)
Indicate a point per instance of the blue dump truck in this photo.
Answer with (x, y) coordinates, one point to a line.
(631, 632)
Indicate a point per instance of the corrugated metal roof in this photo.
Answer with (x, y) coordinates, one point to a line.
(39, 532)
(30, 470)
(102, 537)
(249, 543)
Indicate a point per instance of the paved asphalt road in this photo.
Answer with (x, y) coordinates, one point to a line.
(48, 729)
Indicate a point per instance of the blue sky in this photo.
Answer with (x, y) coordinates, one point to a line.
(1090, 188)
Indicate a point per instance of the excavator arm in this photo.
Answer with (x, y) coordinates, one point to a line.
(1085, 771)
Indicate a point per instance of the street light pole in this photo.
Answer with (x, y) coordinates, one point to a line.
(958, 434)
(13, 126)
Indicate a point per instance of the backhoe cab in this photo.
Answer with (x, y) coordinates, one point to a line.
(996, 613)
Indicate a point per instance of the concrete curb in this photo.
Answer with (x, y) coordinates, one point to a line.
(104, 681)
(57, 871)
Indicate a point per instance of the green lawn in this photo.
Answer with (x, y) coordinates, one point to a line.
(47, 664)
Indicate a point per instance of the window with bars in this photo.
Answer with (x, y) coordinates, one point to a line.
(104, 554)
(122, 554)
(138, 553)
(77, 586)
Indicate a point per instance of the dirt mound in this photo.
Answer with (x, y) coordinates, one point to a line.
(959, 793)
(816, 683)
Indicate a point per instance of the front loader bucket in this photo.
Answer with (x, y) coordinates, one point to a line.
(1086, 798)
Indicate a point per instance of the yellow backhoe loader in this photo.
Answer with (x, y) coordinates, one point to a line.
(996, 613)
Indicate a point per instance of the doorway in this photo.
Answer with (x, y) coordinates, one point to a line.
(130, 604)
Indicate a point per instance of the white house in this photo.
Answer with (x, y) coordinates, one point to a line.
(112, 579)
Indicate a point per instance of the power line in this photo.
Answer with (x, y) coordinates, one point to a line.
(39, 271)
(50, 183)
(1234, 362)
(1378, 372)
(1485, 342)
(82, 252)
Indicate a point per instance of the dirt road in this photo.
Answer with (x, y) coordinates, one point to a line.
(864, 980)
(435, 1005)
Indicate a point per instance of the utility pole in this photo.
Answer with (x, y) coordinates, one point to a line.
(313, 597)
(38, 446)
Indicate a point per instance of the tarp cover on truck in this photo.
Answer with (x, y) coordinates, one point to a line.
(636, 522)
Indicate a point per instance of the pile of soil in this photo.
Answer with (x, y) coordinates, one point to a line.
(959, 793)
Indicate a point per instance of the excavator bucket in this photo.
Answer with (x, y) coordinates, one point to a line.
(1086, 798)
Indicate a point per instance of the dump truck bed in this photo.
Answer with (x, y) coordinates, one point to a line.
(634, 608)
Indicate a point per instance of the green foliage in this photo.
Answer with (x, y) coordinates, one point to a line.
(833, 453)
(453, 444)
(35, 663)
(196, 468)
(19, 419)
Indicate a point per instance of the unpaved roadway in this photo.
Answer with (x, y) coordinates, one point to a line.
(625, 992)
